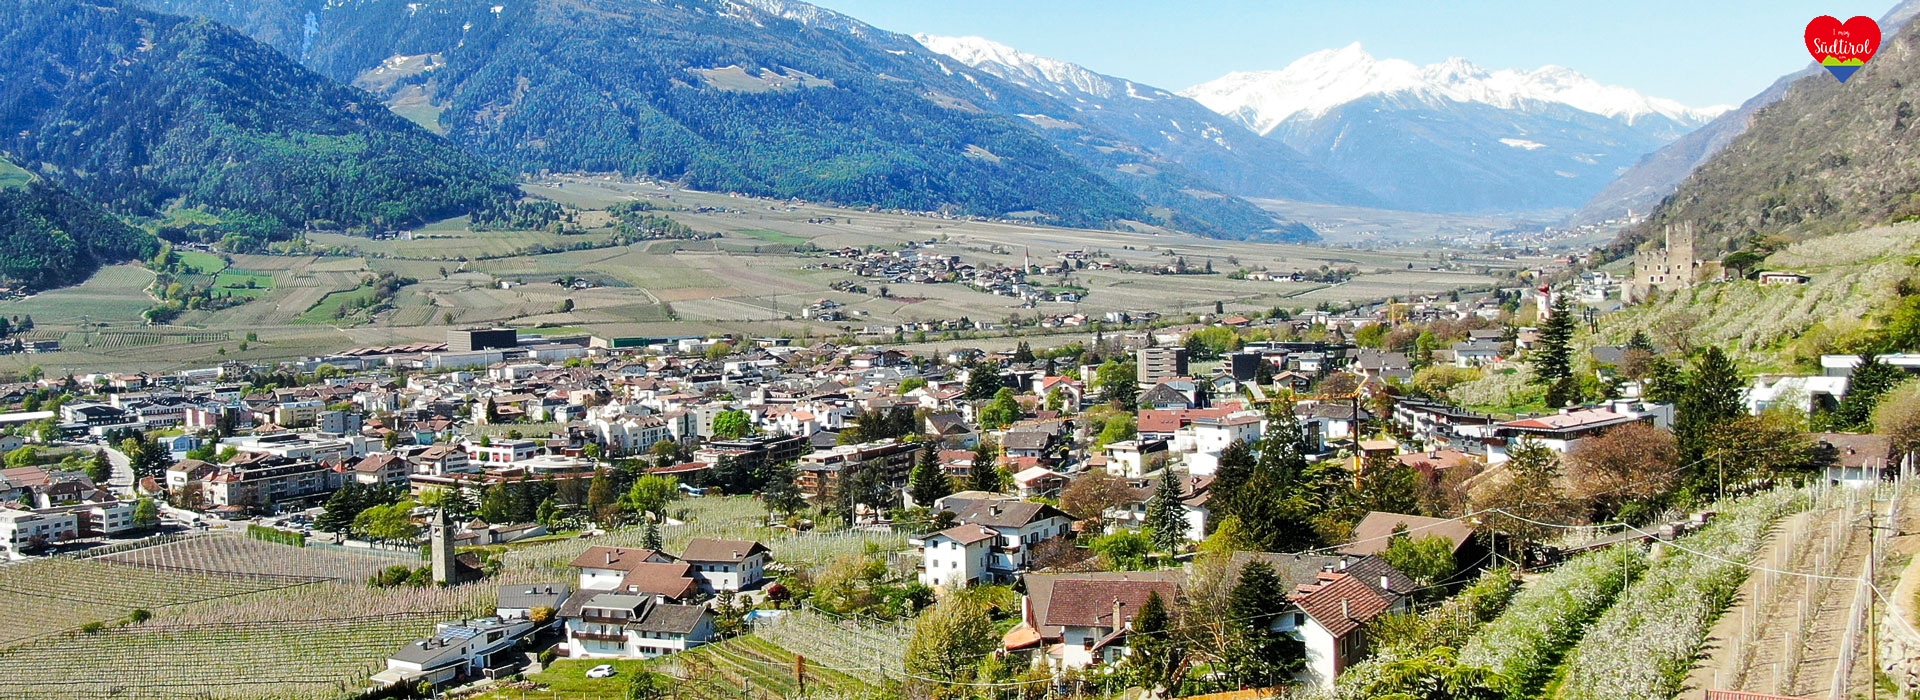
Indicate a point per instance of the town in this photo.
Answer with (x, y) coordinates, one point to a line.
(614, 514)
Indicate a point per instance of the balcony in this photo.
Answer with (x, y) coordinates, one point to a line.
(599, 636)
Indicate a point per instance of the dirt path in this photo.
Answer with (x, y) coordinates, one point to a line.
(1785, 633)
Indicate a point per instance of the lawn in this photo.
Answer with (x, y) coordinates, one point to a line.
(243, 283)
(202, 263)
(327, 311)
(568, 678)
(12, 176)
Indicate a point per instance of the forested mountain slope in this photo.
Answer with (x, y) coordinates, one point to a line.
(142, 112)
(1829, 157)
(1643, 186)
(49, 237)
(763, 97)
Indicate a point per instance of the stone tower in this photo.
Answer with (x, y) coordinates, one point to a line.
(1674, 265)
(445, 572)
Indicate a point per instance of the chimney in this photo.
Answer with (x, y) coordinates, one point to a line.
(1345, 610)
(1116, 614)
(1384, 584)
(609, 557)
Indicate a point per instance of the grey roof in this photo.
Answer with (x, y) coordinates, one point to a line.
(453, 642)
(1300, 569)
(732, 551)
(533, 595)
(1025, 440)
(1002, 513)
(668, 618)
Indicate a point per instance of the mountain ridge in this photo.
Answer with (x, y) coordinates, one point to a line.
(1171, 126)
(142, 112)
(765, 97)
(1643, 186)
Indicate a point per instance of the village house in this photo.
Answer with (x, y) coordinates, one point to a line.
(634, 571)
(457, 650)
(1072, 621)
(626, 626)
(1018, 525)
(728, 565)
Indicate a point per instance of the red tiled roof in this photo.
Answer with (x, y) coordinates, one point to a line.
(674, 581)
(1340, 603)
(616, 558)
(1089, 603)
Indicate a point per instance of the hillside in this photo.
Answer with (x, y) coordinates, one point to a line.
(1854, 278)
(767, 98)
(1827, 158)
(1643, 186)
(143, 112)
(51, 238)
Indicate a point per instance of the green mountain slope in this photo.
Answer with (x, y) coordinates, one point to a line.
(767, 98)
(50, 238)
(142, 111)
(1827, 158)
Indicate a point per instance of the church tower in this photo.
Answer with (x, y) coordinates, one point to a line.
(445, 572)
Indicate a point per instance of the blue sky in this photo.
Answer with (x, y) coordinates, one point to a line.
(1699, 53)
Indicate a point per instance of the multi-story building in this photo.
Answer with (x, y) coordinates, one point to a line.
(339, 422)
(478, 339)
(1156, 364)
(297, 414)
(24, 530)
(265, 482)
(820, 472)
(499, 453)
(1018, 526)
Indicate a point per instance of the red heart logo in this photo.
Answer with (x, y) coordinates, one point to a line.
(1834, 43)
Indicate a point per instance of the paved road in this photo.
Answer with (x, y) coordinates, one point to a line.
(122, 480)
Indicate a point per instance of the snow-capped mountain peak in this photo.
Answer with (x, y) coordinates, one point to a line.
(1324, 80)
(1049, 75)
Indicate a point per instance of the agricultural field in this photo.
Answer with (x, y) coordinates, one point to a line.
(12, 176)
(58, 594)
(328, 656)
(224, 555)
(229, 617)
(749, 280)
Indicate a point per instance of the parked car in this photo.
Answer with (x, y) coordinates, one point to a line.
(601, 671)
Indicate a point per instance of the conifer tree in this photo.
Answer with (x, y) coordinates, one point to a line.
(928, 482)
(1166, 518)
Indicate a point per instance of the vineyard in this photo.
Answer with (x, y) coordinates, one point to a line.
(220, 554)
(231, 618)
(54, 595)
(870, 651)
(752, 667)
(1647, 642)
(124, 340)
(289, 659)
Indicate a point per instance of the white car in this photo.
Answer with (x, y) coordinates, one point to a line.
(601, 671)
